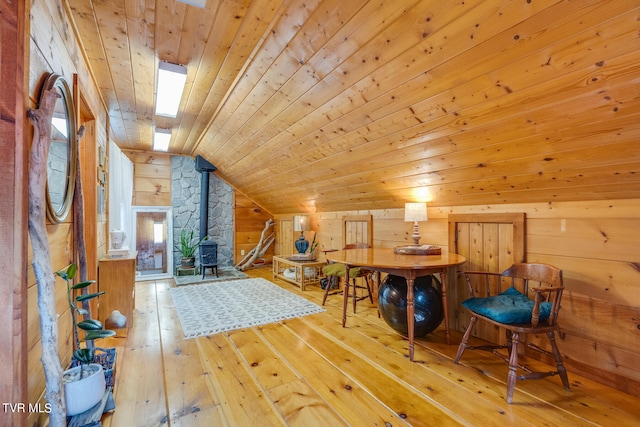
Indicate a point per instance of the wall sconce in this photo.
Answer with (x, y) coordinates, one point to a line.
(161, 138)
(171, 81)
(301, 223)
(414, 212)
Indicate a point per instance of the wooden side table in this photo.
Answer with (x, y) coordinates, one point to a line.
(304, 272)
(117, 278)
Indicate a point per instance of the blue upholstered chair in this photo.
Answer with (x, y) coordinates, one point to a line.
(336, 271)
(513, 310)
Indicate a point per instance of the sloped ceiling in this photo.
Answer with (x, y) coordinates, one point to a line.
(331, 105)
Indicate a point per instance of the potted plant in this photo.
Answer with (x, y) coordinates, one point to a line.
(85, 383)
(187, 247)
(314, 246)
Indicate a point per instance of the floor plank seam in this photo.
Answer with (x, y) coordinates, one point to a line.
(377, 367)
(444, 358)
(247, 367)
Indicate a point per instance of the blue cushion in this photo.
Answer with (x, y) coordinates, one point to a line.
(510, 307)
(338, 269)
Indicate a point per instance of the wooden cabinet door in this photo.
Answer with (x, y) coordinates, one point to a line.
(286, 238)
(489, 242)
(117, 277)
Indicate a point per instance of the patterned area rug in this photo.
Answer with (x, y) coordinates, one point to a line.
(211, 308)
(224, 273)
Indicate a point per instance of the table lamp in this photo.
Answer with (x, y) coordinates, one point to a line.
(414, 212)
(301, 223)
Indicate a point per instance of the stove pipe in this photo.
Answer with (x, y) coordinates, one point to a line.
(204, 167)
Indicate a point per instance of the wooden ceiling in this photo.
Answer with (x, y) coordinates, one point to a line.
(332, 105)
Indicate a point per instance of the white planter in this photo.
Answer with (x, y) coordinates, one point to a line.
(82, 394)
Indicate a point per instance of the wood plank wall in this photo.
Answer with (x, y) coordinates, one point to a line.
(595, 243)
(54, 49)
(13, 210)
(151, 178)
(249, 222)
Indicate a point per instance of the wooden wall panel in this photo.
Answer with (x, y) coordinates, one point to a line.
(598, 280)
(490, 242)
(285, 240)
(14, 158)
(93, 222)
(151, 178)
(54, 49)
(249, 222)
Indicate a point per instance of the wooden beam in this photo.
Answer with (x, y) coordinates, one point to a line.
(13, 210)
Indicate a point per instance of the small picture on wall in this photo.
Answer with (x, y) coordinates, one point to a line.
(102, 177)
(101, 156)
(100, 199)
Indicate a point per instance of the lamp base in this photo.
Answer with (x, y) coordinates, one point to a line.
(302, 244)
(416, 234)
(418, 250)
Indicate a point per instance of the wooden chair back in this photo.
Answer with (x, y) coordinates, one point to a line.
(547, 280)
(357, 228)
(540, 282)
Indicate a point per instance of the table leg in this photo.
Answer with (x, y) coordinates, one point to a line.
(345, 299)
(410, 315)
(445, 305)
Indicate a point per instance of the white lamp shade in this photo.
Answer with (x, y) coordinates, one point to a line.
(301, 223)
(414, 212)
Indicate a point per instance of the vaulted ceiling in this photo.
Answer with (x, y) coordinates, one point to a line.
(331, 105)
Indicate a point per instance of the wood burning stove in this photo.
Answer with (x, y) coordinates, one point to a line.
(208, 249)
(209, 256)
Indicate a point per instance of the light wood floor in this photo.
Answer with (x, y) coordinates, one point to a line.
(310, 371)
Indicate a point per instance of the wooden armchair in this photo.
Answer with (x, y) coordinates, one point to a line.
(518, 314)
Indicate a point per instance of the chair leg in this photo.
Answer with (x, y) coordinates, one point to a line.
(345, 300)
(465, 339)
(513, 366)
(328, 287)
(558, 358)
(366, 279)
(355, 294)
(354, 291)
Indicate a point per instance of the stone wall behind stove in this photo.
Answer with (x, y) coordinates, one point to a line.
(185, 200)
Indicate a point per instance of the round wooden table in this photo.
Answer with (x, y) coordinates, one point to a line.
(408, 266)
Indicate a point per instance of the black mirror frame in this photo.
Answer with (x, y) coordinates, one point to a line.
(59, 82)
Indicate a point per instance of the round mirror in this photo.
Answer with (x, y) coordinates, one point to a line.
(61, 166)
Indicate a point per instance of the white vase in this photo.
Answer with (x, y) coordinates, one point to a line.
(81, 394)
